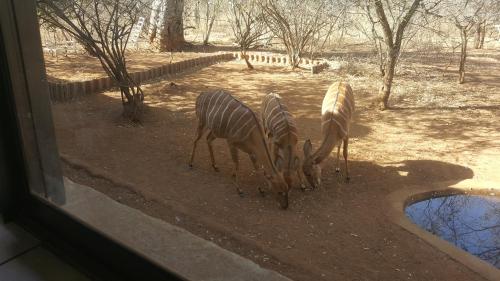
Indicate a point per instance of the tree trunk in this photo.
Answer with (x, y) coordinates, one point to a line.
(477, 37)
(209, 30)
(152, 34)
(89, 50)
(463, 55)
(132, 100)
(172, 34)
(133, 109)
(294, 62)
(483, 34)
(385, 90)
(245, 57)
(480, 34)
(156, 19)
(131, 94)
(393, 41)
(293, 58)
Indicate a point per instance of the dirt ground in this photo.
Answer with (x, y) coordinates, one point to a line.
(81, 67)
(438, 131)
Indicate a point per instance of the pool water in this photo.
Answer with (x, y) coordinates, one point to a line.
(470, 222)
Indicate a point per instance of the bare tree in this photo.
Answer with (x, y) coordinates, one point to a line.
(480, 34)
(488, 15)
(467, 17)
(248, 25)
(393, 30)
(212, 9)
(295, 23)
(103, 27)
(465, 25)
(464, 15)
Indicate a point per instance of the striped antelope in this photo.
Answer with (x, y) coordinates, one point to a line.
(223, 116)
(282, 133)
(336, 113)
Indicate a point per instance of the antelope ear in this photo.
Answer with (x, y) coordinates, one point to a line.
(279, 163)
(307, 148)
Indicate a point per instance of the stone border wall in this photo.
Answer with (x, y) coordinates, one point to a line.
(315, 65)
(68, 91)
(317, 68)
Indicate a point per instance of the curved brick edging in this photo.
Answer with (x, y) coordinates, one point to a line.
(68, 91)
(315, 65)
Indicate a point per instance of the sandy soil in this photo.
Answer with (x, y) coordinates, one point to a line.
(439, 131)
(81, 67)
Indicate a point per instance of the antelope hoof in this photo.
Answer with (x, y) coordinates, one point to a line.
(215, 168)
(347, 179)
(302, 188)
(190, 166)
(241, 194)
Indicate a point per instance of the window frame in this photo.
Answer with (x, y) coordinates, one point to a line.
(29, 160)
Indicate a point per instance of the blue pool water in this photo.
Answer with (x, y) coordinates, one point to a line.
(470, 222)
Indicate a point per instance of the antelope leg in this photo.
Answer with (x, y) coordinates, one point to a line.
(256, 167)
(301, 180)
(199, 134)
(234, 155)
(275, 152)
(337, 167)
(210, 138)
(346, 143)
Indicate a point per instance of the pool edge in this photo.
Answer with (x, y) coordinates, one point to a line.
(405, 196)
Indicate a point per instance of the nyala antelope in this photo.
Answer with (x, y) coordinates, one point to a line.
(225, 117)
(281, 130)
(336, 113)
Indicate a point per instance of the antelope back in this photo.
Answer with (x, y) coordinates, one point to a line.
(278, 121)
(225, 116)
(337, 109)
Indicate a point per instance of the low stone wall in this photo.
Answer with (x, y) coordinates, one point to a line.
(68, 91)
(279, 59)
(319, 67)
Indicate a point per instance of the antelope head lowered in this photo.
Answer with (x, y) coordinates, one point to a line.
(223, 116)
(281, 130)
(336, 113)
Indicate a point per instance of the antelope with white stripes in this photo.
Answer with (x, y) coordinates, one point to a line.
(223, 116)
(282, 133)
(336, 113)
